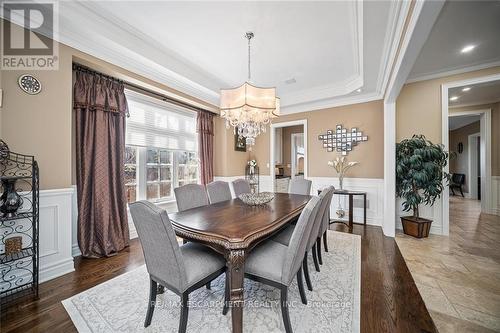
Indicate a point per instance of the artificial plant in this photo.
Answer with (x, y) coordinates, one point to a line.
(419, 172)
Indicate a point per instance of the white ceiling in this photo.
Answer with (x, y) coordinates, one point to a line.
(461, 121)
(482, 93)
(330, 48)
(459, 24)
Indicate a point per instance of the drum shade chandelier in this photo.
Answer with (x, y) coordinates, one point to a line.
(249, 108)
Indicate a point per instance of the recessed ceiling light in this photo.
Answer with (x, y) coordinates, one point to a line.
(358, 90)
(466, 89)
(468, 48)
(453, 98)
(291, 81)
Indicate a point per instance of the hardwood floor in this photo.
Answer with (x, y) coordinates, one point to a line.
(390, 301)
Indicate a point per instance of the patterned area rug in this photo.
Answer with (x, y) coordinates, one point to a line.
(119, 305)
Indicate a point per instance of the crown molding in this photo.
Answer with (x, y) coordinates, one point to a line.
(331, 103)
(464, 105)
(110, 50)
(454, 71)
(394, 32)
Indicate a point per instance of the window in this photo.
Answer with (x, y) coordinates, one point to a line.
(161, 149)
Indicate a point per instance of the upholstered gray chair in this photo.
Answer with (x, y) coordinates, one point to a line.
(300, 186)
(284, 236)
(240, 186)
(190, 196)
(180, 269)
(276, 265)
(218, 191)
(325, 224)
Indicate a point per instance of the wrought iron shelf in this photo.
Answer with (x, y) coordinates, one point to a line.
(19, 271)
(27, 177)
(18, 216)
(24, 253)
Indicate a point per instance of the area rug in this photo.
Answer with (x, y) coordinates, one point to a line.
(119, 305)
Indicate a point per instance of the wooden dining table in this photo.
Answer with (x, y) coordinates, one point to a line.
(233, 228)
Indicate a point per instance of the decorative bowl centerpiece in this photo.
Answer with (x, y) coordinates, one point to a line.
(255, 199)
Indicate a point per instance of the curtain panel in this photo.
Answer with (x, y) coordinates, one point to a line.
(205, 129)
(100, 111)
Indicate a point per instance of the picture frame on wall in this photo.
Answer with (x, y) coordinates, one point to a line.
(240, 143)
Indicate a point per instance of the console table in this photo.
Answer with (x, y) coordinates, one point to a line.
(351, 194)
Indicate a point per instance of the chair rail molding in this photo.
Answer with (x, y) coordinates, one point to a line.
(55, 233)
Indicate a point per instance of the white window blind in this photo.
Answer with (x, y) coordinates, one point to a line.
(154, 123)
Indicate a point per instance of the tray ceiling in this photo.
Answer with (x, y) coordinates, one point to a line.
(330, 49)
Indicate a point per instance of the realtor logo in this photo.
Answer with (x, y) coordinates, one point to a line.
(28, 34)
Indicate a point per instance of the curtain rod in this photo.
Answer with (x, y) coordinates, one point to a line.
(77, 66)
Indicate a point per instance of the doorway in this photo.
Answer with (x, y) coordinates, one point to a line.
(288, 153)
(471, 99)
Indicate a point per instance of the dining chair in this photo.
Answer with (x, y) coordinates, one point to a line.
(190, 196)
(276, 265)
(285, 236)
(300, 186)
(218, 191)
(240, 186)
(325, 225)
(181, 269)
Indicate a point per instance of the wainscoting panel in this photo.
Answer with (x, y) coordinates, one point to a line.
(55, 233)
(373, 187)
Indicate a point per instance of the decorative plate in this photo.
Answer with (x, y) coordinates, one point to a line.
(29, 84)
(255, 199)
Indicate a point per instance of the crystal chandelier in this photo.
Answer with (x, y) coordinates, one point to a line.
(249, 108)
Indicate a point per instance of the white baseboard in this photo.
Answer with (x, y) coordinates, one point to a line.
(373, 186)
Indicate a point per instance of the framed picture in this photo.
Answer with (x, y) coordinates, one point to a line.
(240, 143)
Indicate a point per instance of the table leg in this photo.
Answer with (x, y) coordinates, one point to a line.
(364, 209)
(236, 269)
(351, 213)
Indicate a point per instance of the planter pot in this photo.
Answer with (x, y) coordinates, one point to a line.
(416, 226)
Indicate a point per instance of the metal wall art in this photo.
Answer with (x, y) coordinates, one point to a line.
(342, 140)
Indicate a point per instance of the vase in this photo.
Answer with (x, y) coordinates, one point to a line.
(10, 199)
(341, 182)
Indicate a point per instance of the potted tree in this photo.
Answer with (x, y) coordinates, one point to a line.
(419, 179)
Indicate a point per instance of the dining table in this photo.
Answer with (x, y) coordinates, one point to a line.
(233, 228)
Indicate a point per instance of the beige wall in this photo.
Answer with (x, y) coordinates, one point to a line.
(42, 124)
(460, 163)
(495, 132)
(227, 161)
(367, 117)
(418, 107)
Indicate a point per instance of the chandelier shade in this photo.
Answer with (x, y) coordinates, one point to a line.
(249, 108)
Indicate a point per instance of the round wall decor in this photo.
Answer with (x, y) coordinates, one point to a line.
(29, 84)
(460, 147)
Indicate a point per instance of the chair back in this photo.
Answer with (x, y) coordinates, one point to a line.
(190, 196)
(324, 197)
(458, 178)
(298, 241)
(300, 186)
(325, 223)
(159, 244)
(240, 186)
(218, 191)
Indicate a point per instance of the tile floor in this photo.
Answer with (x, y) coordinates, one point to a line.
(459, 276)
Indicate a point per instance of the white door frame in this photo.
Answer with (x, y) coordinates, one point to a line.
(272, 164)
(293, 153)
(472, 171)
(486, 126)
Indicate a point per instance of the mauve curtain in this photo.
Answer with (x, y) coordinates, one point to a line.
(101, 108)
(205, 129)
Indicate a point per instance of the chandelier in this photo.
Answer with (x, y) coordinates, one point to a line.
(249, 108)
